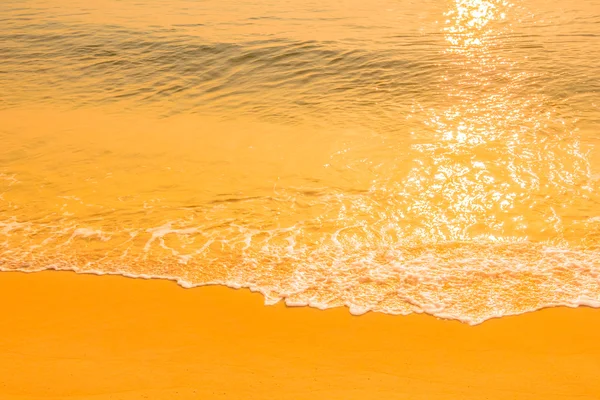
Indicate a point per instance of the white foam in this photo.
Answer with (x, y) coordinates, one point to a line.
(88, 232)
(429, 307)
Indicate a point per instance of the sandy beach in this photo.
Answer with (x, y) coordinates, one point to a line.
(66, 335)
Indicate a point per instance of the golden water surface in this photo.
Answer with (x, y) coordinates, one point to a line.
(389, 155)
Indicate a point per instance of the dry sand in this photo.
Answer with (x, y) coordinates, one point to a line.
(69, 336)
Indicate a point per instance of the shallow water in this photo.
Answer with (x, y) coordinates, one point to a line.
(393, 156)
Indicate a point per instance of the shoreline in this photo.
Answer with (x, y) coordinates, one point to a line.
(585, 303)
(110, 337)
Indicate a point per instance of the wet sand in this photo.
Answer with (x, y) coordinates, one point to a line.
(74, 336)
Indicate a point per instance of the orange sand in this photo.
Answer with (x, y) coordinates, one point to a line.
(86, 337)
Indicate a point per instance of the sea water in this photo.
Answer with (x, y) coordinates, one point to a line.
(390, 156)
